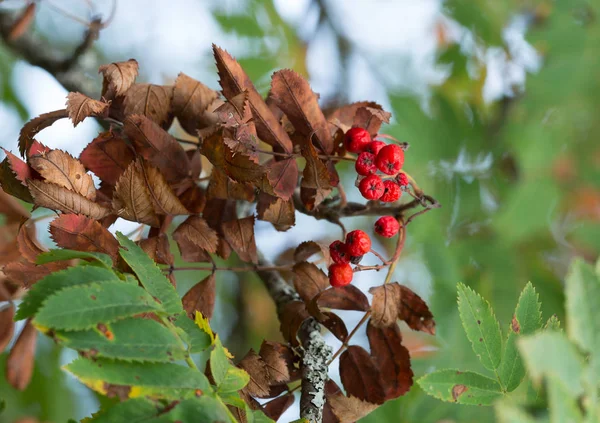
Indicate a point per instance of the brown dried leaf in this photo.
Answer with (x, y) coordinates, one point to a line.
(360, 376)
(35, 126)
(80, 106)
(385, 304)
(415, 312)
(280, 213)
(7, 326)
(11, 208)
(193, 199)
(66, 171)
(260, 379)
(190, 252)
(78, 232)
(158, 248)
(275, 408)
(349, 409)
(118, 77)
(371, 118)
(234, 81)
(11, 184)
(347, 297)
(292, 316)
(239, 233)
(158, 147)
(335, 325)
(20, 361)
(283, 177)
(107, 156)
(279, 360)
(55, 197)
(222, 186)
(164, 199)
(201, 297)
(307, 249)
(309, 280)
(196, 230)
(392, 359)
(344, 116)
(132, 199)
(152, 101)
(315, 179)
(293, 95)
(27, 242)
(191, 100)
(235, 111)
(22, 23)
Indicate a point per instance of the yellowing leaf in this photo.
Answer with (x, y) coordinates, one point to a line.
(203, 324)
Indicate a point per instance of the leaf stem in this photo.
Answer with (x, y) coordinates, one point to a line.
(173, 330)
(350, 335)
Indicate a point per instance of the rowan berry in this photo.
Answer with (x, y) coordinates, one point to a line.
(391, 192)
(387, 226)
(390, 159)
(358, 243)
(374, 146)
(355, 259)
(356, 139)
(340, 274)
(339, 252)
(402, 179)
(365, 164)
(371, 187)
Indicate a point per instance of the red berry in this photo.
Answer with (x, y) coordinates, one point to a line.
(387, 226)
(391, 192)
(365, 164)
(402, 180)
(371, 187)
(355, 259)
(374, 147)
(358, 243)
(356, 139)
(340, 274)
(339, 252)
(390, 159)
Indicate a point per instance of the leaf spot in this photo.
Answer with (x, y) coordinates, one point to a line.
(458, 390)
(516, 327)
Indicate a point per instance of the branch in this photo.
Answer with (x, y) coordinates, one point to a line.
(316, 352)
(39, 52)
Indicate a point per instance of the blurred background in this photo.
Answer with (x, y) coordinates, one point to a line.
(498, 100)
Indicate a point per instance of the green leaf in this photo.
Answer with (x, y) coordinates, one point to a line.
(65, 254)
(583, 306)
(150, 275)
(143, 379)
(83, 307)
(235, 379)
(508, 412)
(219, 363)
(232, 398)
(133, 339)
(205, 409)
(197, 339)
(481, 326)
(551, 354)
(260, 417)
(553, 324)
(563, 405)
(133, 410)
(461, 387)
(54, 282)
(526, 320)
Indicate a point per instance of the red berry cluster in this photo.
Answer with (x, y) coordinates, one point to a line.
(376, 156)
(356, 246)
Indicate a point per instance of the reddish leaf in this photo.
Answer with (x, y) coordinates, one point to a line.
(55, 197)
(414, 312)
(335, 325)
(293, 95)
(349, 409)
(27, 242)
(292, 316)
(239, 233)
(360, 376)
(283, 177)
(7, 326)
(196, 230)
(22, 23)
(191, 100)
(275, 408)
(307, 249)
(348, 297)
(10, 180)
(158, 248)
(201, 297)
(80, 106)
(37, 148)
(309, 280)
(234, 81)
(222, 186)
(277, 211)
(36, 125)
(20, 361)
(392, 359)
(118, 77)
(81, 233)
(152, 101)
(158, 147)
(21, 170)
(108, 156)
